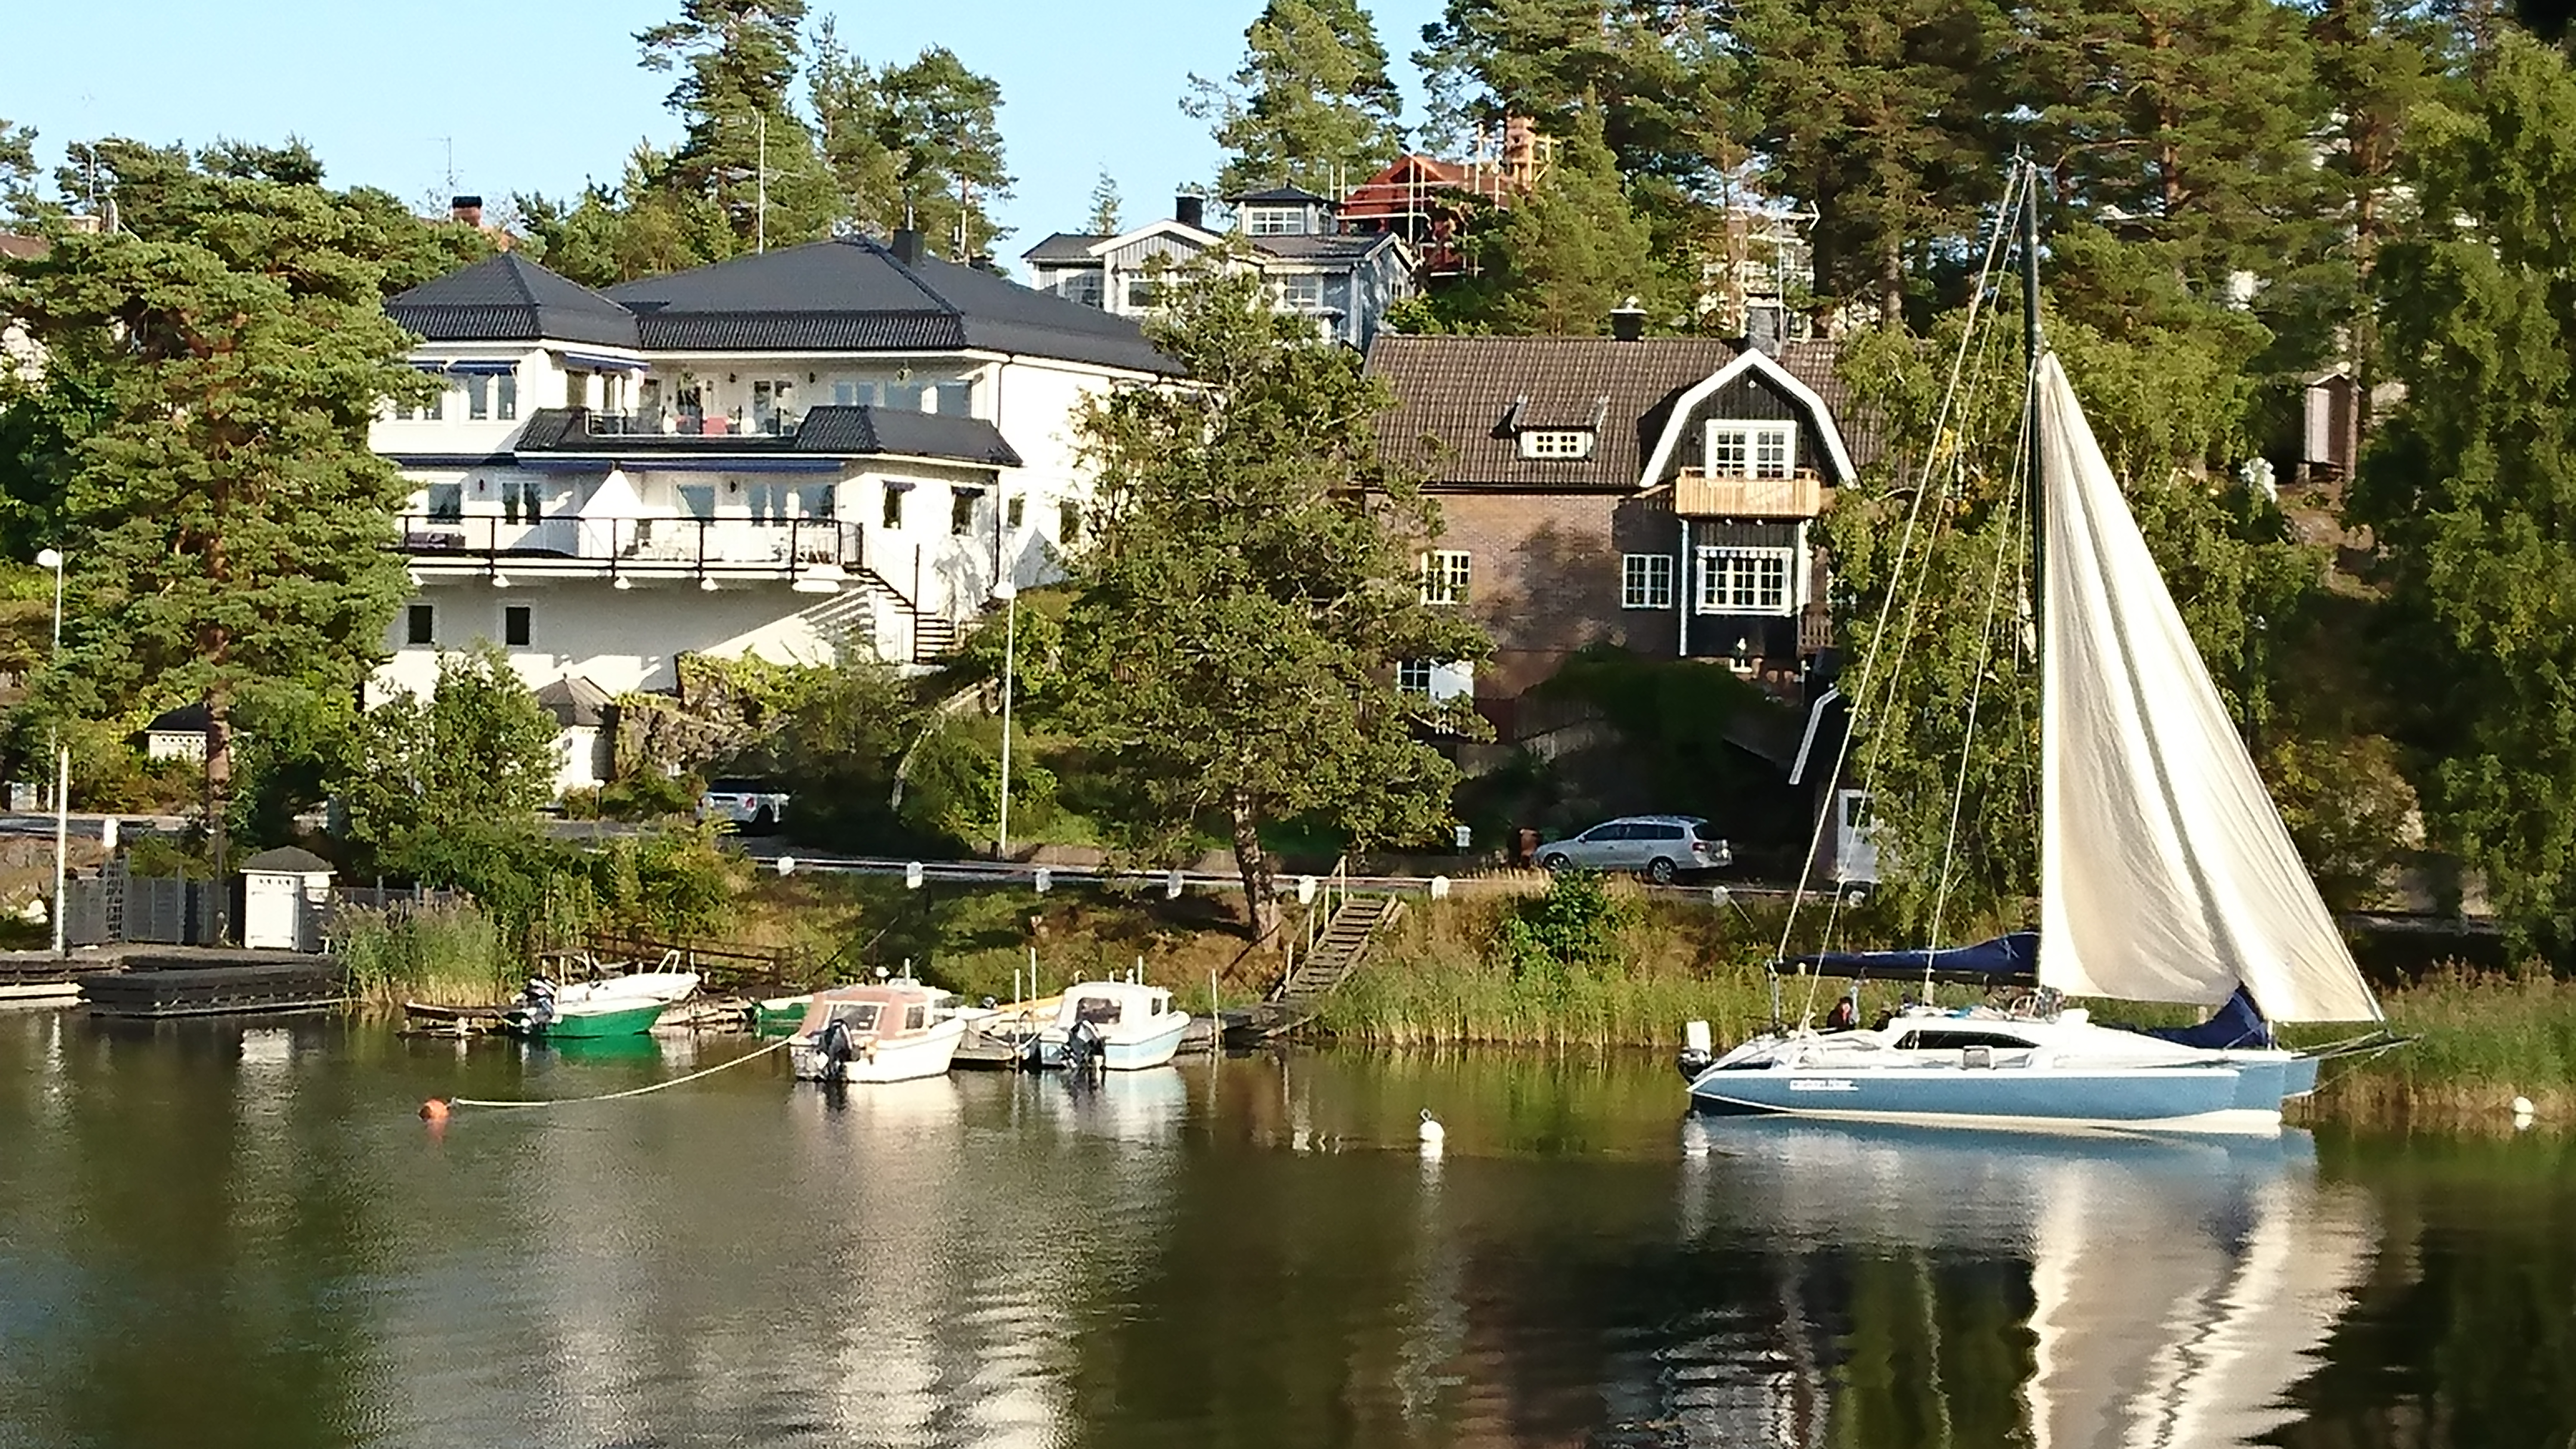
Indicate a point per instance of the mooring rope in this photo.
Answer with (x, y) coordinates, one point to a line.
(629, 1092)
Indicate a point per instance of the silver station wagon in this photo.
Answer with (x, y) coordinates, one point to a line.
(1660, 847)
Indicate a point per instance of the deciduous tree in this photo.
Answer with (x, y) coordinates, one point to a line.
(1230, 657)
(477, 754)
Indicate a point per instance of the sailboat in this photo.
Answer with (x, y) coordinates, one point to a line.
(2166, 875)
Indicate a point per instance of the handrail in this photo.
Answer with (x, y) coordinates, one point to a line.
(644, 545)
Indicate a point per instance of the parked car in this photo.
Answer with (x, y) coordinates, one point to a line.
(752, 806)
(1661, 847)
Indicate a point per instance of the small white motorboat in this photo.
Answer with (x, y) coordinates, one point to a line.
(1120, 1025)
(625, 1005)
(890, 1031)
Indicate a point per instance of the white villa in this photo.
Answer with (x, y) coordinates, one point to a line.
(1344, 280)
(842, 444)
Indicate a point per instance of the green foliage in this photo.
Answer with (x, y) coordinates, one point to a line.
(1311, 104)
(1231, 651)
(2468, 489)
(477, 755)
(649, 795)
(1557, 261)
(17, 170)
(446, 955)
(1579, 924)
(1105, 205)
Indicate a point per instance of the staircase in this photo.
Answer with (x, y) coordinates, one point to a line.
(934, 638)
(877, 614)
(1338, 943)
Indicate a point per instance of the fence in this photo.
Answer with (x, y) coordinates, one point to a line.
(115, 908)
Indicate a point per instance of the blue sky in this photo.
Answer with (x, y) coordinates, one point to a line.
(539, 96)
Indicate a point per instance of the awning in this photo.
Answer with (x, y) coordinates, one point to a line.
(487, 369)
(2004, 961)
(602, 362)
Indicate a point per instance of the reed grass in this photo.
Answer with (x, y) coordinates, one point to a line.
(2480, 1039)
(442, 955)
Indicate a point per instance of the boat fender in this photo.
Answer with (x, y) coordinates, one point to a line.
(1697, 1054)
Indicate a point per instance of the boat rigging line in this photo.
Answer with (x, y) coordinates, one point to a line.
(436, 1108)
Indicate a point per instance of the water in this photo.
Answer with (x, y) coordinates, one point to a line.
(213, 1235)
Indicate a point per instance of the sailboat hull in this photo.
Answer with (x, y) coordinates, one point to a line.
(2217, 1097)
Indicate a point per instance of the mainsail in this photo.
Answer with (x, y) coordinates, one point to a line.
(2165, 871)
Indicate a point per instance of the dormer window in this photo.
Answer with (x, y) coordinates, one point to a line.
(1752, 450)
(1274, 221)
(1564, 443)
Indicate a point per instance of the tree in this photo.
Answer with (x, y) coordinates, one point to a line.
(223, 515)
(17, 170)
(1632, 61)
(2468, 486)
(856, 134)
(479, 753)
(1104, 205)
(939, 121)
(1561, 258)
(1311, 104)
(745, 147)
(1230, 656)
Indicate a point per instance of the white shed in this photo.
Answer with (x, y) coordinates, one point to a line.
(284, 894)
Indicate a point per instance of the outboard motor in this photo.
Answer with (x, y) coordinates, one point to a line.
(1697, 1054)
(1084, 1051)
(537, 998)
(837, 1047)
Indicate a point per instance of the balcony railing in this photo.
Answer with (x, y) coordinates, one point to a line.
(643, 547)
(675, 423)
(1697, 495)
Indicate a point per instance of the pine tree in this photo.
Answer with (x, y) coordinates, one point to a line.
(940, 122)
(1230, 657)
(1104, 205)
(850, 113)
(2468, 485)
(17, 170)
(1561, 258)
(1635, 62)
(745, 148)
(1311, 104)
(224, 518)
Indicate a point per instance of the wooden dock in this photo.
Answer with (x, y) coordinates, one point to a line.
(217, 983)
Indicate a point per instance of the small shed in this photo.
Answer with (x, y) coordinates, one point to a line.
(582, 743)
(285, 893)
(178, 734)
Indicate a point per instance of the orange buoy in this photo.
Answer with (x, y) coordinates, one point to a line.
(433, 1110)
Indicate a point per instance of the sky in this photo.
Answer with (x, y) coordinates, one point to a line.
(542, 95)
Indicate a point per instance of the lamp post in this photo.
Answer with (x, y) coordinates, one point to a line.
(1009, 595)
(52, 558)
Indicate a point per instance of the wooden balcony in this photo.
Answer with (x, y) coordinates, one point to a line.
(1697, 495)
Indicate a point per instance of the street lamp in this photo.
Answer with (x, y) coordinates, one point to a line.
(1008, 594)
(52, 558)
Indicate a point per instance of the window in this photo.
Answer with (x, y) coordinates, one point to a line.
(478, 397)
(446, 502)
(420, 625)
(851, 394)
(514, 626)
(1556, 443)
(1143, 293)
(952, 399)
(1068, 523)
(961, 510)
(1751, 450)
(1083, 287)
(427, 412)
(1303, 292)
(1444, 577)
(1646, 581)
(1434, 679)
(1274, 221)
(505, 396)
(1744, 580)
(815, 501)
(907, 396)
(522, 501)
(1413, 676)
(892, 514)
(699, 499)
(1013, 512)
(770, 502)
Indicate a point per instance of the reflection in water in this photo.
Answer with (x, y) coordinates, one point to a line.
(219, 1235)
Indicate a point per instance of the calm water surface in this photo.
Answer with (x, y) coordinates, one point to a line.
(212, 1235)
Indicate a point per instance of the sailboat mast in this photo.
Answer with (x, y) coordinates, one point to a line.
(2030, 341)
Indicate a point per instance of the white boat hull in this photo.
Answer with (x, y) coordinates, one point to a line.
(1153, 1045)
(904, 1059)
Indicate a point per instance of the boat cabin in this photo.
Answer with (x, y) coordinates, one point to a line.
(886, 1009)
(1107, 1004)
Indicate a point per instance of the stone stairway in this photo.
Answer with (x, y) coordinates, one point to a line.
(1338, 950)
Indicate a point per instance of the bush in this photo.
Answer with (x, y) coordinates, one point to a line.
(649, 795)
(1577, 925)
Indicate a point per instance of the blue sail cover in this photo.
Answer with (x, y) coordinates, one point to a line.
(2237, 1023)
(2004, 961)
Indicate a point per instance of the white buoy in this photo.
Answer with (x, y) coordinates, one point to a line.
(1433, 1135)
(2522, 1107)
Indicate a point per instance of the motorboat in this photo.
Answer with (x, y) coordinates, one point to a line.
(626, 1005)
(887, 1031)
(2166, 875)
(1117, 1025)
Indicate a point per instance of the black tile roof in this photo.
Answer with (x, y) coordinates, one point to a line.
(1334, 247)
(508, 298)
(851, 294)
(824, 432)
(1280, 196)
(1064, 246)
(574, 700)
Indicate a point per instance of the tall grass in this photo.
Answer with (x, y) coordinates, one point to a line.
(2481, 1038)
(445, 955)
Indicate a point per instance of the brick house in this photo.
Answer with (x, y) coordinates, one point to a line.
(1652, 493)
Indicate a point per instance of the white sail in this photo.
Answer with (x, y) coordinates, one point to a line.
(2165, 871)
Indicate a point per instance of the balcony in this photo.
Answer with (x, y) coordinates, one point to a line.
(668, 423)
(798, 550)
(1697, 495)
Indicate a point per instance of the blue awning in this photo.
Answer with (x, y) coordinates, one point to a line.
(596, 360)
(488, 369)
(2004, 961)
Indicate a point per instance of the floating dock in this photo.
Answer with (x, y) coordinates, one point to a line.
(217, 983)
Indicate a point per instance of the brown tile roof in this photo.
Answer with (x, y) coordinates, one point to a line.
(1453, 396)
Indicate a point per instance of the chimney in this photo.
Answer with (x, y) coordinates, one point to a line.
(1762, 328)
(1190, 211)
(467, 209)
(907, 245)
(1628, 321)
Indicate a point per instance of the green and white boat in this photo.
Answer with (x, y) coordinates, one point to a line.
(614, 1006)
(772, 1014)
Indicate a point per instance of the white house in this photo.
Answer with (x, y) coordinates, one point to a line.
(1344, 280)
(836, 445)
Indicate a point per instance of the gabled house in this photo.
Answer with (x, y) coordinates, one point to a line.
(840, 445)
(1652, 493)
(1345, 281)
